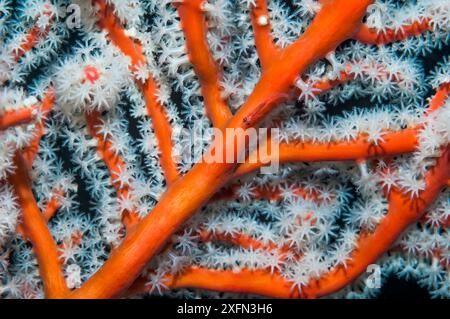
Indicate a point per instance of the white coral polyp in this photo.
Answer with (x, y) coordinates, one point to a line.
(91, 82)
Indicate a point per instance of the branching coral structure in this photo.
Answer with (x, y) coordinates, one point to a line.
(116, 117)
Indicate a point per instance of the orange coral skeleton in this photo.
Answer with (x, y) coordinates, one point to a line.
(370, 36)
(337, 21)
(133, 50)
(34, 35)
(194, 25)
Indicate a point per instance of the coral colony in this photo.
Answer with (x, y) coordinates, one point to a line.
(103, 195)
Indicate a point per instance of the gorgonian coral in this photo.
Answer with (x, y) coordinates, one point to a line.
(102, 195)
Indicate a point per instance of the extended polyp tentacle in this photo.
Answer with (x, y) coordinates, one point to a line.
(240, 239)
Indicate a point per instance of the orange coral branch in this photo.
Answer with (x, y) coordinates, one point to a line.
(32, 39)
(30, 152)
(114, 163)
(394, 143)
(109, 22)
(74, 240)
(53, 205)
(347, 75)
(240, 239)
(16, 117)
(327, 84)
(35, 227)
(269, 193)
(133, 49)
(246, 241)
(439, 98)
(194, 27)
(311, 46)
(28, 114)
(258, 282)
(333, 24)
(267, 50)
(370, 36)
(163, 131)
(50, 210)
(401, 213)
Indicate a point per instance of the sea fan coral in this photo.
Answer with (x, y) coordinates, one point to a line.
(117, 118)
